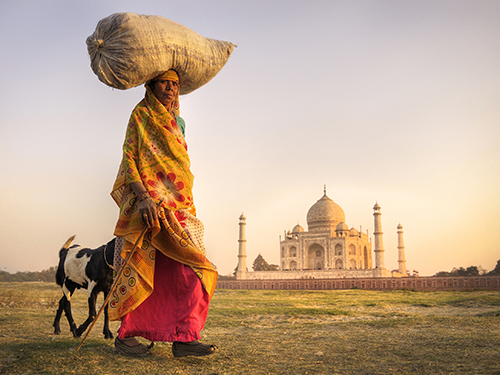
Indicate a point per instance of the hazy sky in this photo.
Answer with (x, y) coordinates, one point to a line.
(395, 102)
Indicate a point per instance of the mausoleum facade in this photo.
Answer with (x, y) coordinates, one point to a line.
(328, 249)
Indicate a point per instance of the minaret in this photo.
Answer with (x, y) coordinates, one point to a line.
(401, 251)
(241, 270)
(379, 246)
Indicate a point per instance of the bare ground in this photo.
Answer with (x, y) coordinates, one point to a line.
(273, 332)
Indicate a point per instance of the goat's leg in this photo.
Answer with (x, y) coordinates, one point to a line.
(106, 330)
(57, 319)
(92, 314)
(65, 304)
(69, 316)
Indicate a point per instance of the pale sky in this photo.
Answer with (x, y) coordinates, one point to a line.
(395, 102)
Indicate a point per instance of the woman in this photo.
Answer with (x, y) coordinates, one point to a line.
(166, 287)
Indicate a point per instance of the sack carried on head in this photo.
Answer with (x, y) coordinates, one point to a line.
(128, 49)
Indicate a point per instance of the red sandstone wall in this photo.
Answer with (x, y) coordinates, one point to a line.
(416, 283)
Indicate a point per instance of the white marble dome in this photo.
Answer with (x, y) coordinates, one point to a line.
(325, 214)
(342, 227)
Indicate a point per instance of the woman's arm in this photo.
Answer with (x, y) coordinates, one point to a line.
(146, 204)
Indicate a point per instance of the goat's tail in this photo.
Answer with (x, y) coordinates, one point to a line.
(62, 258)
(68, 242)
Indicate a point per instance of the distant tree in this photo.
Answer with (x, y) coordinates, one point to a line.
(4, 276)
(472, 271)
(441, 274)
(458, 271)
(273, 267)
(260, 264)
(496, 270)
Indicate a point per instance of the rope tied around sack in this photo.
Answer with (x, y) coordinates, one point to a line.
(95, 44)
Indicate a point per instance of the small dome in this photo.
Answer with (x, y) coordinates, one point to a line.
(324, 214)
(376, 207)
(342, 227)
(297, 229)
(242, 217)
(353, 232)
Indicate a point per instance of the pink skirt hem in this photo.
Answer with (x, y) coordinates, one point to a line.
(175, 311)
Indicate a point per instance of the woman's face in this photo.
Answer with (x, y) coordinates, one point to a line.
(165, 91)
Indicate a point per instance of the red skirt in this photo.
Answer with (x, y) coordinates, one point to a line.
(175, 311)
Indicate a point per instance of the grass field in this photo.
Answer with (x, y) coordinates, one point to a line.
(272, 332)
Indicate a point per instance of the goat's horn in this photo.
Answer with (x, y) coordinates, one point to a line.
(68, 242)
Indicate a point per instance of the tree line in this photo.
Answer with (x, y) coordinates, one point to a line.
(48, 275)
(470, 271)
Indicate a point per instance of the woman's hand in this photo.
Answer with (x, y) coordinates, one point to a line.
(147, 207)
(148, 210)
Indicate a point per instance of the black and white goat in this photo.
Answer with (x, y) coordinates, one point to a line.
(90, 269)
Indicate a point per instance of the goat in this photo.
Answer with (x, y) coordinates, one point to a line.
(90, 269)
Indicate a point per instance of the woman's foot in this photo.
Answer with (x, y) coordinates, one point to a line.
(194, 348)
(131, 347)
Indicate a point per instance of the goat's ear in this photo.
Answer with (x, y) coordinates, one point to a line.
(68, 242)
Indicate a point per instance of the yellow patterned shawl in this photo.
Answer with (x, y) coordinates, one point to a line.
(155, 153)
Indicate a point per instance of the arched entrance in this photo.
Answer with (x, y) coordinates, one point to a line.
(316, 257)
(339, 264)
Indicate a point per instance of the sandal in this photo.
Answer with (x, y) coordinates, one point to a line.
(194, 348)
(138, 350)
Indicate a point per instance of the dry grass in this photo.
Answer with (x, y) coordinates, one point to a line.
(273, 332)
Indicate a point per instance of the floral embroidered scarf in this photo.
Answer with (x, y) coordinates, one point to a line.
(155, 153)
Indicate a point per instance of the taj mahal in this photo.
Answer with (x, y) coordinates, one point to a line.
(328, 249)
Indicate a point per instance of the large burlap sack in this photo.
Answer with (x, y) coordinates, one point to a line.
(128, 49)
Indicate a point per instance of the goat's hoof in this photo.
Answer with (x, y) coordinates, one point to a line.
(78, 333)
